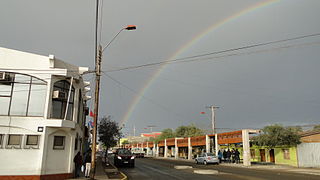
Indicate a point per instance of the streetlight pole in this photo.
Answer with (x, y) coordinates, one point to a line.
(96, 111)
(96, 102)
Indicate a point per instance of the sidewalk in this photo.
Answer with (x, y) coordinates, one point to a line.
(103, 171)
(287, 168)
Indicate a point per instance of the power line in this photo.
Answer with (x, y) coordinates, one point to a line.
(253, 52)
(187, 59)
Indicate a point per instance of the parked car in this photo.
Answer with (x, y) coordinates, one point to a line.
(207, 158)
(138, 152)
(123, 157)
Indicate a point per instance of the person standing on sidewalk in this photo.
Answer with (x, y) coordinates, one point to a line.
(219, 156)
(77, 163)
(87, 162)
(224, 154)
(237, 156)
(233, 157)
(229, 156)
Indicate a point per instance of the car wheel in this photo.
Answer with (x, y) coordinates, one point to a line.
(205, 162)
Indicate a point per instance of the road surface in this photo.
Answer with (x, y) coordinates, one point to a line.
(150, 168)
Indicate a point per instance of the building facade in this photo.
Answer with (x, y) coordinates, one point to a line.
(42, 115)
(308, 150)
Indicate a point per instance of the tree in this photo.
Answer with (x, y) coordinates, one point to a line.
(109, 132)
(125, 142)
(188, 131)
(316, 127)
(277, 135)
(165, 134)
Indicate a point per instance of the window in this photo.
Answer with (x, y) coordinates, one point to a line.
(37, 99)
(19, 99)
(76, 142)
(60, 98)
(286, 154)
(14, 140)
(80, 108)
(32, 140)
(58, 142)
(22, 95)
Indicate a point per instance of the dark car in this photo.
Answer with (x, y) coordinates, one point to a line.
(123, 157)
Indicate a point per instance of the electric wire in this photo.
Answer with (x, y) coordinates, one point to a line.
(187, 59)
(183, 59)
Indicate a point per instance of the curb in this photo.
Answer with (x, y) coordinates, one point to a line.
(122, 174)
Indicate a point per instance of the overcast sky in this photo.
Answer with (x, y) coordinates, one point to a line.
(254, 87)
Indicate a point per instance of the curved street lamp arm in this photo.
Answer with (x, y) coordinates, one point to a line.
(112, 39)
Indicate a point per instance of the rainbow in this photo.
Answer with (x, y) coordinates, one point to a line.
(193, 41)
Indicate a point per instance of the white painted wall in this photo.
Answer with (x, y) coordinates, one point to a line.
(308, 155)
(44, 160)
(58, 161)
(19, 161)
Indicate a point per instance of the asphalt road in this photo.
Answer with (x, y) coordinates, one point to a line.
(150, 168)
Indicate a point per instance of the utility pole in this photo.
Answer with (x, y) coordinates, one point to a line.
(134, 130)
(98, 57)
(96, 111)
(213, 118)
(213, 121)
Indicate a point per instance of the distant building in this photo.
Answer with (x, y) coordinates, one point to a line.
(149, 135)
(42, 115)
(134, 139)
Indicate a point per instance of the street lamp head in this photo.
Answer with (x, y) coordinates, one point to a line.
(130, 27)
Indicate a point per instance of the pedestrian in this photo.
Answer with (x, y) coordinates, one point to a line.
(87, 162)
(77, 163)
(237, 156)
(219, 156)
(224, 154)
(233, 158)
(229, 156)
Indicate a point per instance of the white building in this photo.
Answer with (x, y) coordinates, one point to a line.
(42, 115)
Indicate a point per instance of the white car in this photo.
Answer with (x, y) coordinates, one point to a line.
(207, 158)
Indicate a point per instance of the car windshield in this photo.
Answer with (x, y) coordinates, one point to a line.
(124, 152)
(210, 154)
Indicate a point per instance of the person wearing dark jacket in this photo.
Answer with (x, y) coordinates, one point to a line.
(77, 163)
(237, 156)
(224, 155)
(229, 156)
